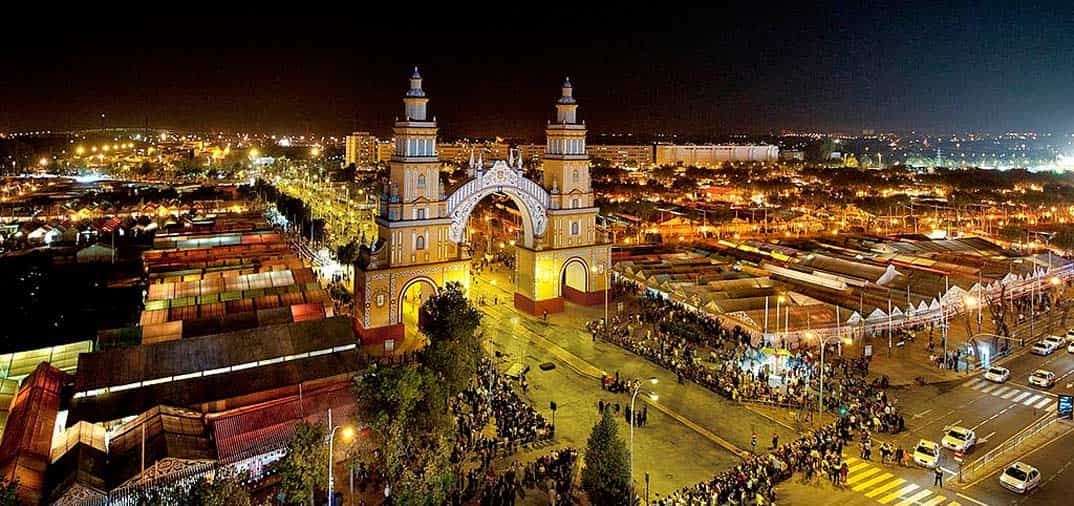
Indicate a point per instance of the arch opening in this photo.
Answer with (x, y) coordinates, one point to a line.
(413, 294)
(574, 279)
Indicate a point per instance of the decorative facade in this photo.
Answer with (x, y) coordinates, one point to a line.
(422, 230)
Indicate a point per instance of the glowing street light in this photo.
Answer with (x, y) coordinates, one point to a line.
(634, 413)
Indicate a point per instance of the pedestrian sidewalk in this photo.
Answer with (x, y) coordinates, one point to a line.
(906, 362)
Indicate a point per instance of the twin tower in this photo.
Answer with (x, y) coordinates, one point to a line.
(422, 226)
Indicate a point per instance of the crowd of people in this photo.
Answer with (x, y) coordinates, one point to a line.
(553, 473)
(817, 453)
(725, 360)
(491, 398)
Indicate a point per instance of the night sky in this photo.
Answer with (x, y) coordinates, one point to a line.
(983, 65)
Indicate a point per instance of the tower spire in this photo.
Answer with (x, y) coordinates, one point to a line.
(415, 100)
(566, 106)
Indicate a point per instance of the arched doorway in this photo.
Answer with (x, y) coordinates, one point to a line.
(574, 280)
(414, 293)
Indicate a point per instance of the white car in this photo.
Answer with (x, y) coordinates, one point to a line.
(1042, 348)
(959, 439)
(1070, 335)
(927, 454)
(1020, 478)
(1070, 348)
(1042, 378)
(997, 374)
(1056, 341)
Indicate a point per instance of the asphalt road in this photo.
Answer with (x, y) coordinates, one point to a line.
(996, 412)
(692, 432)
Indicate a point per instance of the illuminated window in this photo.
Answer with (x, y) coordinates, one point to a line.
(574, 228)
(421, 181)
(419, 243)
(420, 214)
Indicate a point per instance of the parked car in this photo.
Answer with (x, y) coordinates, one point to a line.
(927, 454)
(959, 439)
(998, 374)
(1020, 478)
(1042, 348)
(1056, 341)
(1042, 378)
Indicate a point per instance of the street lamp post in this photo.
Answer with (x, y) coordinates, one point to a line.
(633, 397)
(600, 269)
(347, 433)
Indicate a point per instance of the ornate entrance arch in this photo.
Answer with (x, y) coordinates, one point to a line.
(421, 225)
(532, 200)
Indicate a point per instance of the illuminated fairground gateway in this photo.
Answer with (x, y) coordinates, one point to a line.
(422, 232)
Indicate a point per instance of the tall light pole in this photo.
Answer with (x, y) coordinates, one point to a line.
(633, 397)
(347, 433)
(601, 269)
(820, 400)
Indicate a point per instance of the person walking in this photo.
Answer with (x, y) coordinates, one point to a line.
(775, 440)
(938, 481)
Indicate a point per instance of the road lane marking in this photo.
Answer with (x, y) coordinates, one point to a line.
(855, 467)
(865, 473)
(914, 498)
(1000, 392)
(973, 383)
(934, 501)
(1026, 455)
(970, 499)
(1020, 397)
(885, 487)
(1046, 401)
(1012, 393)
(923, 413)
(898, 493)
(986, 438)
(873, 481)
(1031, 400)
(988, 388)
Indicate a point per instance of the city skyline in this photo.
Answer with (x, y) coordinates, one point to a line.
(999, 68)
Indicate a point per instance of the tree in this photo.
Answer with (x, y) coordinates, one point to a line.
(225, 489)
(450, 322)
(406, 406)
(9, 493)
(606, 476)
(305, 465)
(347, 254)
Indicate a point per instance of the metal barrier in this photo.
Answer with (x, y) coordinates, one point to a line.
(997, 454)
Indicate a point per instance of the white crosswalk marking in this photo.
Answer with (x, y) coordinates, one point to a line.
(898, 493)
(1044, 402)
(1012, 393)
(872, 481)
(1031, 400)
(989, 388)
(865, 473)
(974, 383)
(914, 498)
(1000, 392)
(885, 487)
(935, 501)
(1020, 397)
(854, 468)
